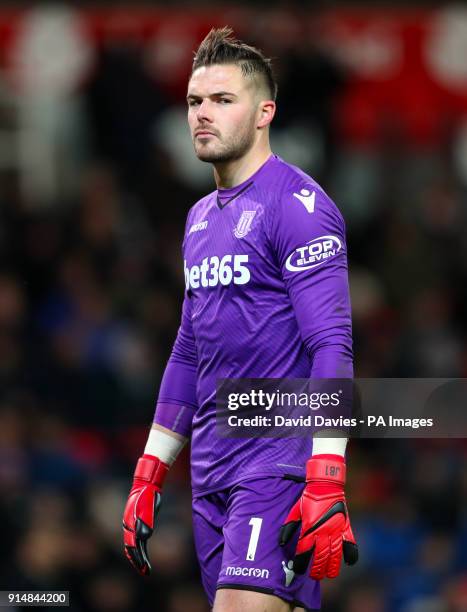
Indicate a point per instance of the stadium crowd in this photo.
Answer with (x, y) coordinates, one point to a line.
(91, 283)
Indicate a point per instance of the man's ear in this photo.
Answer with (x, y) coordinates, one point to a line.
(267, 110)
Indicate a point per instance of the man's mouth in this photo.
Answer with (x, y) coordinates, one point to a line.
(203, 133)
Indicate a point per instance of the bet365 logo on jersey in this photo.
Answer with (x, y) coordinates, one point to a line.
(212, 271)
(313, 254)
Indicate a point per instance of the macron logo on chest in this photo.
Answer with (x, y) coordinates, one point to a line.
(198, 227)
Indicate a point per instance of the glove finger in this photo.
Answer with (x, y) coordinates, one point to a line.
(321, 557)
(137, 561)
(143, 533)
(302, 560)
(132, 552)
(147, 506)
(130, 546)
(350, 548)
(329, 549)
(287, 531)
(291, 524)
(305, 549)
(129, 517)
(335, 558)
(128, 535)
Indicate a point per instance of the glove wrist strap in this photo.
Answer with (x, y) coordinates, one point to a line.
(326, 469)
(151, 469)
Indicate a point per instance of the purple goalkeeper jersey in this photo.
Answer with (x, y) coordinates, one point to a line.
(266, 296)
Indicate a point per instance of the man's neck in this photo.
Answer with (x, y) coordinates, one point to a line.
(233, 173)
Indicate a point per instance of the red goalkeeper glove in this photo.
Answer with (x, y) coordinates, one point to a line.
(141, 510)
(321, 513)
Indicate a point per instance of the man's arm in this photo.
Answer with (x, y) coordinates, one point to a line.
(310, 247)
(177, 401)
(170, 431)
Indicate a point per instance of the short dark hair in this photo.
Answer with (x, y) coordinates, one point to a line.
(221, 47)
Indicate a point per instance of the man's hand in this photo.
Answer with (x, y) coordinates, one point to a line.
(141, 509)
(321, 513)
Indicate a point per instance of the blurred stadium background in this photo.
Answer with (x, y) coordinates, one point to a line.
(96, 176)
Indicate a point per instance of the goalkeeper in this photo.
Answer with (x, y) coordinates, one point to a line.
(266, 296)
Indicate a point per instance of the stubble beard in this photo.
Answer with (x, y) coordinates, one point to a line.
(234, 148)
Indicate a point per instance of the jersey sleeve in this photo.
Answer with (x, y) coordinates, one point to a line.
(307, 235)
(177, 401)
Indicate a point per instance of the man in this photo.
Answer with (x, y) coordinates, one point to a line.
(252, 308)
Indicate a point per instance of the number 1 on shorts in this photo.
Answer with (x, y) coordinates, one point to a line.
(255, 523)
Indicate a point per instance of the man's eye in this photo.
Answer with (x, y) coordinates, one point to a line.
(193, 103)
(224, 101)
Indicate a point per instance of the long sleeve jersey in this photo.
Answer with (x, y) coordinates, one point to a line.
(266, 296)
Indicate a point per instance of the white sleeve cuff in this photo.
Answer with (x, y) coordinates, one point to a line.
(163, 446)
(329, 446)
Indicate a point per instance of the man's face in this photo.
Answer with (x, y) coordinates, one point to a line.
(221, 113)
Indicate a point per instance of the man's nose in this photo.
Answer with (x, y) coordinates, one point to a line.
(204, 111)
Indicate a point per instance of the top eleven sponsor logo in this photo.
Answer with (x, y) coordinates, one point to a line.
(313, 254)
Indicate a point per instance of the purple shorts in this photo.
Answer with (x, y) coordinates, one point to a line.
(236, 535)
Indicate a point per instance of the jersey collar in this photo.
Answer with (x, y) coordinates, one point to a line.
(225, 196)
